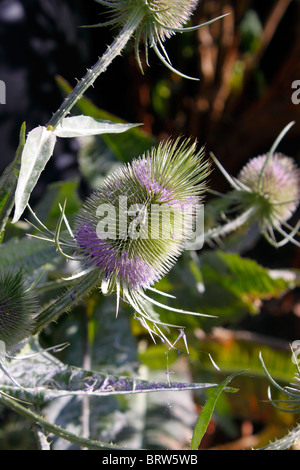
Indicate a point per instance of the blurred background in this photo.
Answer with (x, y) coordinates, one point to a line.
(247, 63)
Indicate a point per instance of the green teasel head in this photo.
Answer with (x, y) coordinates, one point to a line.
(130, 232)
(18, 307)
(271, 184)
(156, 21)
(160, 18)
(134, 228)
(266, 192)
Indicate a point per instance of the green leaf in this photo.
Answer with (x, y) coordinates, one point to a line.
(207, 411)
(43, 377)
(225, 285)
(240, 350)
(244, 278)
(36, 153)
(53, 428)
(8, 184)
(27, 253)
(81, 126)
(56, 193)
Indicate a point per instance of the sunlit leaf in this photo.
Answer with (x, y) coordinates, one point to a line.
(37, 151)
(207, 411)
(43, 377)
(81, 126)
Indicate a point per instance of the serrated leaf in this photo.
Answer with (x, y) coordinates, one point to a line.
(37, 151)
(207, 411)
(43, 377)
(81, 126)
(225, 285)
(243, 277)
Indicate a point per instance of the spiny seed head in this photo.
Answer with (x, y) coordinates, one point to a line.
(272, 185)
(18, 307)
(152, 21)
(134, 227)
(159, 17)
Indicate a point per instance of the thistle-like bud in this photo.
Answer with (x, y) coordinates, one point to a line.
(267, 192)
(160, 18)
(131, 231)
(153, 21)
(271, 185)
(18, 307)
(136, 225)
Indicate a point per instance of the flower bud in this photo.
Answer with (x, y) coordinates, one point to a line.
(131, 231)
(152, 21)
(271, 185)
(160, 17)
(134, 227)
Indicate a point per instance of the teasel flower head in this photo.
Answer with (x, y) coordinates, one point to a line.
(267, 192)
(272, 185)
(160, 18)
(133, 228)
(156, 21)
(18, 307)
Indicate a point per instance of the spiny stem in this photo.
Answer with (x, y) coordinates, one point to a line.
(53, 428)
(101, 65)
(231, 226)
(67, 300)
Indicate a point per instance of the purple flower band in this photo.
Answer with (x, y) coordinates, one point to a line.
(114, 261)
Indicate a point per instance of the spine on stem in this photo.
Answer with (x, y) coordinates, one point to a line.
(100, 66)
(68, 300)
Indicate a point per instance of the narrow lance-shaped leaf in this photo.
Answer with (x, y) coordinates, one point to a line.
(36, 153)
(123, 147)
(207, 411)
